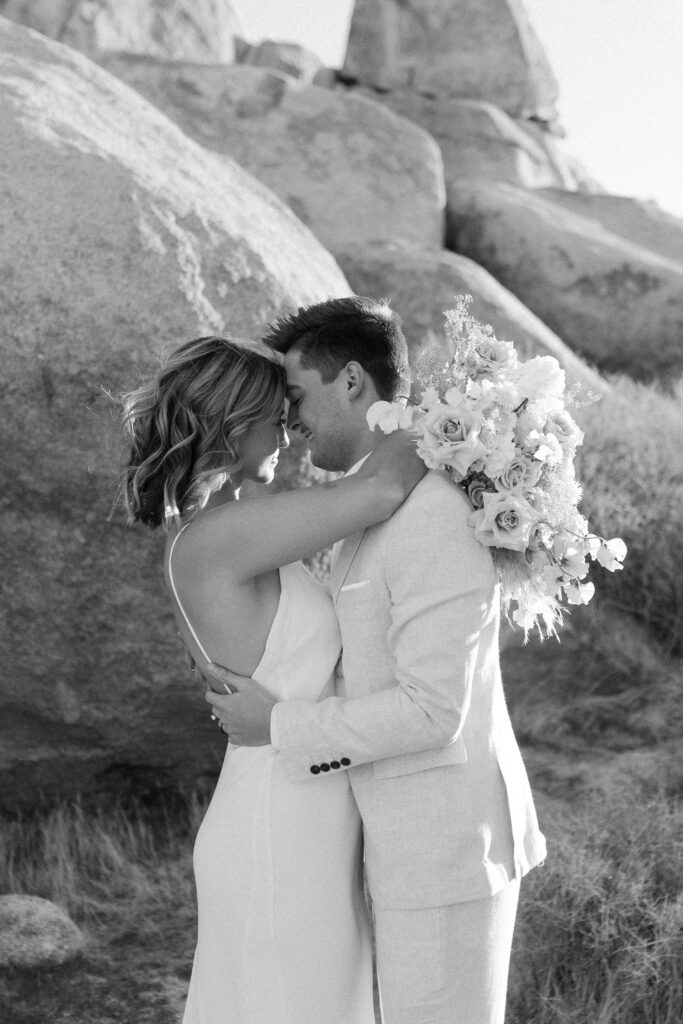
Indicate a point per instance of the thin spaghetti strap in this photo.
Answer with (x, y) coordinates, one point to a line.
(175, 594)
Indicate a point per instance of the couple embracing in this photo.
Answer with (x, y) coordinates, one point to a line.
(397, 757)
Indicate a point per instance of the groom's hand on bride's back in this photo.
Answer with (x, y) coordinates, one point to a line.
(240, 704)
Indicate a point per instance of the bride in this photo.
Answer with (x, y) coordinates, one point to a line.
(283, 931)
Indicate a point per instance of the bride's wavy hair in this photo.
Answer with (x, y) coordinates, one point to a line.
(185, 423)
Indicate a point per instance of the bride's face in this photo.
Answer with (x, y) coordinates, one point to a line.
(260, 448)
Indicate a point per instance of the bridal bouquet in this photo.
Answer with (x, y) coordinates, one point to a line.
(502, 431)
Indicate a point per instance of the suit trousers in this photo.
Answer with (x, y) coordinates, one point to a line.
(446, 965)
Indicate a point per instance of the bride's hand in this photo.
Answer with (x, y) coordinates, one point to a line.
(395, 461)
(222, 680)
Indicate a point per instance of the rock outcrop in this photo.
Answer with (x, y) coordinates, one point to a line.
(36, 933)
(478, 140)
(351, 170)
(635, 220)
(289, 58)
(479, 49)
(615, 302)
(175, 29)
(121, 239)
(422, 284)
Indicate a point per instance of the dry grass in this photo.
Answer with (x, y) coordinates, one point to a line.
(125, 876)
(631, 466)
(110, 854)
(613, 683)
(600, 932)
(599, 936)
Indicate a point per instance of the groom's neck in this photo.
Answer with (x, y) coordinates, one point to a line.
(359, 449)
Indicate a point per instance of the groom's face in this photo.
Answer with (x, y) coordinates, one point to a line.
(320, 413)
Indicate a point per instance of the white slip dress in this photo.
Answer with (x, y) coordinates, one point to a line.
(283, 926)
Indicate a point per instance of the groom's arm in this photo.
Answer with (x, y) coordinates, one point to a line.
(441, 585)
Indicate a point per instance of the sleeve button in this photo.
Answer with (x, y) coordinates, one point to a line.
(335, 764)
(345, 761)
(315, 769)
(324, 767)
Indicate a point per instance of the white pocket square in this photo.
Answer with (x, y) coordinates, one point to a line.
(354, 586)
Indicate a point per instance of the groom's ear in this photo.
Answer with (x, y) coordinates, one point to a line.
(354, 380)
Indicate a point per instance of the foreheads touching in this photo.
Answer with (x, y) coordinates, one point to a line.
(332, 334)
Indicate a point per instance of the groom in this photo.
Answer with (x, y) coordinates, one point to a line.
(420, 721)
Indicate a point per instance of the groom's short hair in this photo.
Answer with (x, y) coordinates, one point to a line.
(359, 329)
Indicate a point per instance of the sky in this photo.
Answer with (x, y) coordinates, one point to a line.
(618, 64)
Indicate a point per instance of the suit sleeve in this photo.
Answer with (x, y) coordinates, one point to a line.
(442, 589)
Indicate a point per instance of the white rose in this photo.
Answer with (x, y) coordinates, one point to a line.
(564, 427)
(451, 439)
(496, 355)
(476, 489)
(518, 475)
(505, 521)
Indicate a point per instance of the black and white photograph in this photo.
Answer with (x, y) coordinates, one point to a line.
(342, 532)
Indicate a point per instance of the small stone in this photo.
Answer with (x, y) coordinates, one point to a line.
(289, 58)
(36, 933)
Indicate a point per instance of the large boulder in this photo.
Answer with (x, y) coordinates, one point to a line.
(481, 49)
(616, 303)
(176, 29)
(121, 239)
(478, 140)
(353, 171)
(421, 285)
(36, 933)
(636, 220)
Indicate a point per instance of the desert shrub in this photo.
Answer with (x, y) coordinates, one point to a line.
(631, 466)
(600, 929)
(615, 675)
(606, 679)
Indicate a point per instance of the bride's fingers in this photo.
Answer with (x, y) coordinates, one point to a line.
(227, 681)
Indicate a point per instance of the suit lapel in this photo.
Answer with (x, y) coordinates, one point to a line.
(347, 553)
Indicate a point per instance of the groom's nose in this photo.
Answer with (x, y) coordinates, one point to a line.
(292, 418)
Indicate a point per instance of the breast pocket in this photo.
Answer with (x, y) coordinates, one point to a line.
(407, 764)
(359, 602)
(357, 586)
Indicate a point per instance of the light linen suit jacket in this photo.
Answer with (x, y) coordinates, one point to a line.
(420, 720)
